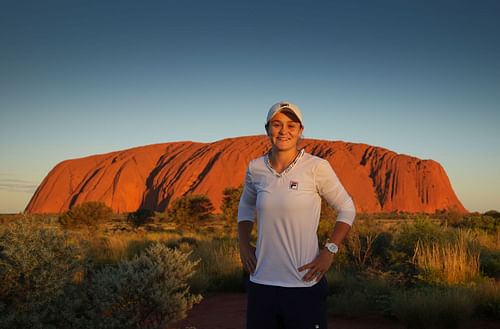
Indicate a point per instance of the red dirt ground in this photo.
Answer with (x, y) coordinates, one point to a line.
(227, 311)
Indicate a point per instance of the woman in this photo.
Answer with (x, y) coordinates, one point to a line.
(282, 193)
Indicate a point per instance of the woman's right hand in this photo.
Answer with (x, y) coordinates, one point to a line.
(248, 258)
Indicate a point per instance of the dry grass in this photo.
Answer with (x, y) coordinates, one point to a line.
(489, 241)
(219, 268)
(113, 248)
(451, 262)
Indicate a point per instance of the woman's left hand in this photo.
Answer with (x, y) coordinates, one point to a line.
(318, 267)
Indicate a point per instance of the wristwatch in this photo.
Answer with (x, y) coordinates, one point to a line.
(331, 247)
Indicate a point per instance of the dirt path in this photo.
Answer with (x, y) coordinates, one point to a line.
(227, 311)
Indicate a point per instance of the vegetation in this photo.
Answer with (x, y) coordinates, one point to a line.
(191, 209)
(141, 217)
(426, 272)
(450, 262)
(87, 214)
(230, 202)
(149, 291)
(49, 281)
(37, 266)
(432, 308)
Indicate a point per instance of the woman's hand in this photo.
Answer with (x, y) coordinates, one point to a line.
(318, 267)
(247, 256)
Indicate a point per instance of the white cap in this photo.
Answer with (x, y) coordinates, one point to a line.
(284, 105)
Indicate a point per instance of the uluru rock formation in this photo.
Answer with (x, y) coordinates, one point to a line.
(152, 176)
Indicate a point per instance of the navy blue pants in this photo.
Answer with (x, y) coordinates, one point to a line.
(272, 307)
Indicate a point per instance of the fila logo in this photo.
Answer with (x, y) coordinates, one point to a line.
(294, 185)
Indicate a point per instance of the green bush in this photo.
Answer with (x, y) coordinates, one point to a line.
(190, 209)
(493, 213)
(490, 263)
(141, 217)
(399, 256)
(37, 267)
(486, 223)
(149, 291)
(423, 230)
(87, 214)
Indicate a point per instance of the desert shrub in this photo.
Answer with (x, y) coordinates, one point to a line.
(423, 230)
(490, 263)
(492, 213)
(448, 216)
(365, 238)
(141, 217)
(190, 209)
(404, 240)
(230, 202)
(38, 266)
(48, 282)
(489, 224)
(148, 291)
(87, 214)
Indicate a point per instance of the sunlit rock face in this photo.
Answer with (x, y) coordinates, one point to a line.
(152, 176)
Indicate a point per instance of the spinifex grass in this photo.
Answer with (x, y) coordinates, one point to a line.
(219, 268)
(449, 262)
(113, 248)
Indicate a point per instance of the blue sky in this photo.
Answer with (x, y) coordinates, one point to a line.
(86, 77)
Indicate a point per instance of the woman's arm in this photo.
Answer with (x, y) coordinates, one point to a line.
(247, 251)
(332, 190)
(320, 265)
(246, 217)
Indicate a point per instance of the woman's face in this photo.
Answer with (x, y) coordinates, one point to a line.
(283, 132)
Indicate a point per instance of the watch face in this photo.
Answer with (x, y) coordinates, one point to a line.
(332, 247)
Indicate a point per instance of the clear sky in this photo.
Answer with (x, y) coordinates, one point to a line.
(84, 77)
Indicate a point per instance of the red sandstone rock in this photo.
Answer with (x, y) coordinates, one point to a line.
(154, 175)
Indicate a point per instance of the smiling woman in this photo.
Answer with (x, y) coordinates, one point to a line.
(282, 193)
(284, 130)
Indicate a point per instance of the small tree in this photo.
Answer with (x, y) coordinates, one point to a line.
(190, 209)
(141, 217)
(87, 214)
(230, 202)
